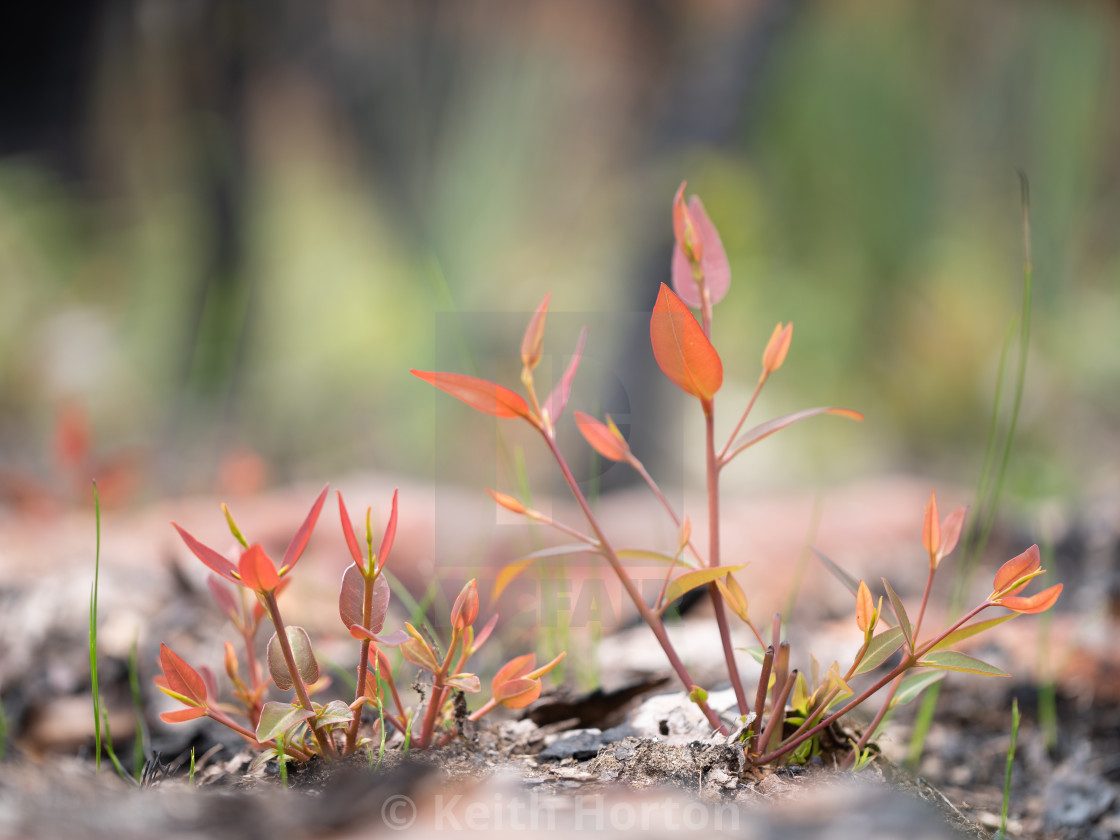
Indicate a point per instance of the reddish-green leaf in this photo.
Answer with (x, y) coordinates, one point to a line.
(970, 630)
(558, 399)
(880, 649)
(181, 677)
(299, 541)
(334, 713)
(479, 394)
(764, 430)
(304, 657)
(277, 718)
(690, 580)
(951, 660)
(900, 613)
(604, 439)
(208, 555)
(351, 600)
(1033, 604)
(683, 352)
(257, 570)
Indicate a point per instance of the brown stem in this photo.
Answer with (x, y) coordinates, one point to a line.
(922, 611)
(650, 617)
(723, 457)
(777, 713)
(714, 558)
(297, 681)
(363, 661)
(760, 694)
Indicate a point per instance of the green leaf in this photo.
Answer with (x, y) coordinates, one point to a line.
(881, 647)
(914, 684)
(640, 554)
(951, 660)
(970, 630)
(334, 713)
(850, 582)
(756, 653)
(277, 718)
(690, 580)
(900, 612)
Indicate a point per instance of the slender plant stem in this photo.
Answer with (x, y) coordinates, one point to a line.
(869, 732)
(649, 616)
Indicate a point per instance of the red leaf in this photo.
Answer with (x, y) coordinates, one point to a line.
(299, 541)
(717, 271)
(683, 352)
(348, 532)
(1038, 603)
(558, 399)
(181, 677)
(533, 340)
(223, 598)
(257, 570)
(208, 555)
(389, 535)
(1016, 568)
(479, 394)
(603, 438)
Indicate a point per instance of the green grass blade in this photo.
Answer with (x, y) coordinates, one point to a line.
(1002, 833)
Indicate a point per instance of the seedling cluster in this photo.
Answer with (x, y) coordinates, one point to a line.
(780, 720)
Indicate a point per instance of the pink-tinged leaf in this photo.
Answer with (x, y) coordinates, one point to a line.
(181, 677)
(299, 541)
(479, 394)
(480, 639)
(865, 607)
(225, 600)
(304, 656)
(558, 399)
(351, 600)
(606, 440)
(348, 532)
(207, 555)
(508, 502)
(1016, 568)
(683, 352)
(951, 530)
(931, 528)
(470, 683)
(764, 430)
(777, 348)
(209, 680)
(713, 261)
(951, 660)
(182, 715)
(389, 535)
(533, 341)
(397, 637)
(257, 570)
(1033, 604)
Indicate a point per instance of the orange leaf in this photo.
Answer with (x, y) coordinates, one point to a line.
(465, 610)
(777, 348)
(1016, 568)
(299, 541)
(606, 440)
(683, 352)
(1032, 604)
(479, 394)
(865, 607)
(508, 502)
(257, 570)
(348, 532)
(518, 693)
(931, 529)
(182, 715)
(389, 535)
(533, 340)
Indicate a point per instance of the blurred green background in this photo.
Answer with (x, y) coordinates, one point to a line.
(230, 226)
